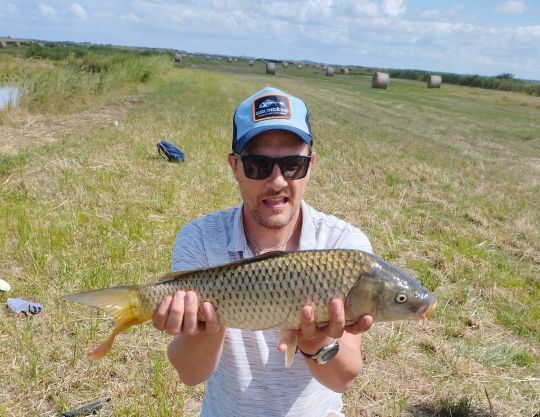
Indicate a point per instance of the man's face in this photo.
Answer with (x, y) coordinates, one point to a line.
(272, 202)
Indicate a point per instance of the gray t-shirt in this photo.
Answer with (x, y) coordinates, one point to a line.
(251, 379)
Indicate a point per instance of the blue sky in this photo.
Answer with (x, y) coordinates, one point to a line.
(474, 37)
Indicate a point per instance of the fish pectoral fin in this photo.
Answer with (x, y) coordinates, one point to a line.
(289, 337)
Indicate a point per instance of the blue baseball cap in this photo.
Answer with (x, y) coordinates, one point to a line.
(270, 109)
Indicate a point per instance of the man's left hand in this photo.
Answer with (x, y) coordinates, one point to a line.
(311, 338)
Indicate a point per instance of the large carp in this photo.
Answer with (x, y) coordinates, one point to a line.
(269, 291)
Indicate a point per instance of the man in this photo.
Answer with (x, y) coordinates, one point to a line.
(272, 160)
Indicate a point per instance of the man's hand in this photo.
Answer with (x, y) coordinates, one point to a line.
(311, 338)
(177, 315)
(196, 350)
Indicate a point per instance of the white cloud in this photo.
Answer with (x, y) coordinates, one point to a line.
(453, 10)
(46, 10)
(366, 8)
(78, 10)
(511, 7)
(430, 14)
(394, 8)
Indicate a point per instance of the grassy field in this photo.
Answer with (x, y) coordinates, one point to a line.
(446, 183)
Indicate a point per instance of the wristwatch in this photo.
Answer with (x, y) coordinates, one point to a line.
(325, 353)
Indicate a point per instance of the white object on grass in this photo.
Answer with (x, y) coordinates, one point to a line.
(4, 286)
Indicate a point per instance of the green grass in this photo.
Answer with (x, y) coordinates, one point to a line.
(9, 163)
(445, 184)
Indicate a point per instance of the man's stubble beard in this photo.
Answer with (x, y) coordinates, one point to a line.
(271, 223)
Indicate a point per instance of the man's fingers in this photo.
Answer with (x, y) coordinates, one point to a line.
(176, 314)
(179, 314)
(160, 316)
(307, 323)
(362, 324)
(191, 306)
(210, 318)
(337, 319)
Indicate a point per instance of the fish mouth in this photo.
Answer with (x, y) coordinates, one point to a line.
(425, 312)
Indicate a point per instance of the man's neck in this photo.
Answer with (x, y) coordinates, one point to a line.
(262, 239)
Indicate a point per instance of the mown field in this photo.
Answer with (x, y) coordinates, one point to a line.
(446, 183)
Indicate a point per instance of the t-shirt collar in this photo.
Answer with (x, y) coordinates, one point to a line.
(237, 242)
(308, 239)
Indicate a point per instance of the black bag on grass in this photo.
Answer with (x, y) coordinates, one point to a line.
(169, 152)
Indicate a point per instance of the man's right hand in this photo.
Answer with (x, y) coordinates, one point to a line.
(177, 315)
(196, 351)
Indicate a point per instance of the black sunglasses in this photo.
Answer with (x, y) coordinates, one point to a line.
(259, 167)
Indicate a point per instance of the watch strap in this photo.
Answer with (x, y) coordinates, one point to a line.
(324, 354)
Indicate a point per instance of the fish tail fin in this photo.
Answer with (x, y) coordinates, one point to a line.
(122, 303)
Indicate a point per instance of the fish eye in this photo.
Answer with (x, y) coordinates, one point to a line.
(401, 298)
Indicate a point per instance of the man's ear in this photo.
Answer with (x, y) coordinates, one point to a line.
(233, 163)
(313, 159)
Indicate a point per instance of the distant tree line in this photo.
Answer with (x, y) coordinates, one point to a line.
(504, 81)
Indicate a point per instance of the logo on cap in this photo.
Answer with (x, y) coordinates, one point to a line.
(271, 107)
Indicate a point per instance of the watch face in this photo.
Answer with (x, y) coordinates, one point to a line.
(330, 353)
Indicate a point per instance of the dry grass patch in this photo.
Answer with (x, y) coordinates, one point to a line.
(20, 129)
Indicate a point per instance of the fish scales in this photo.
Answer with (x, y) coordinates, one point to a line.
(277, 286)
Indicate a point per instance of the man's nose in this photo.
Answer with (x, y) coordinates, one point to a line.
(276, 178)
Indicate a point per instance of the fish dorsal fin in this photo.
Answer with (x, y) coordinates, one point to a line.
(171, 276)
(271, 254)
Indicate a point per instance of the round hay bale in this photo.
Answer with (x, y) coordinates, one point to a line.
(207, 56)
(3, 44)
(229, 59)
(344, 70)
(251, 62)
(178, 58)
(317, 66)
(434, 81)
(380, 80)
(270, 68)
(300, 66)
(329, 71)
(285, 64)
